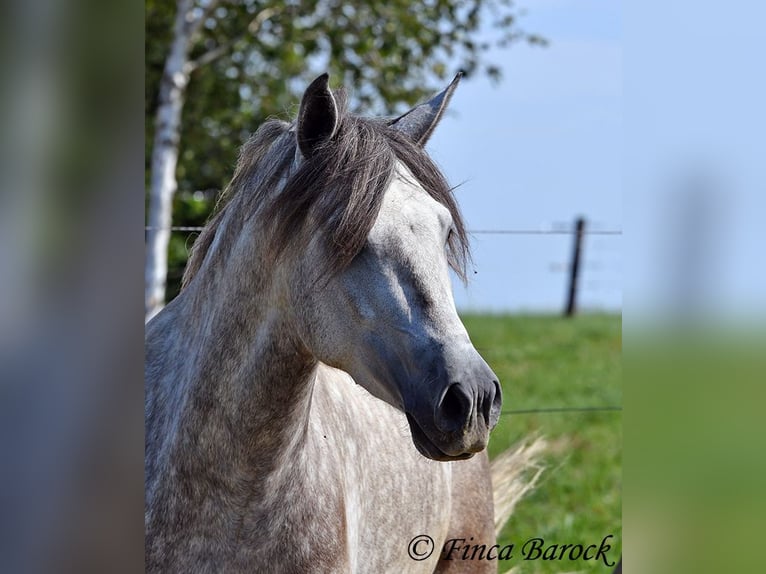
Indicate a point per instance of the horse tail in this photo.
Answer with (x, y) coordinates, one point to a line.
(515, 472)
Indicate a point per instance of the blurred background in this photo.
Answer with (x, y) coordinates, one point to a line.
(645, 118)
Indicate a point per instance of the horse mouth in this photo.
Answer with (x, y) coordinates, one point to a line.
(426, 446)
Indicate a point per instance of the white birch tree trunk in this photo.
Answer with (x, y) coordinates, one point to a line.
(175, 79)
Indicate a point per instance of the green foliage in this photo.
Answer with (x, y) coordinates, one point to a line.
(389, 54)
(548, 361)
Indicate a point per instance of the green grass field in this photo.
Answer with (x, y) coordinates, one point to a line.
(549, 361)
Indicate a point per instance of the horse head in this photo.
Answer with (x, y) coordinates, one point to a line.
(384, 310)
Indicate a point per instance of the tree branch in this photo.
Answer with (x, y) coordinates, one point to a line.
(252, 29)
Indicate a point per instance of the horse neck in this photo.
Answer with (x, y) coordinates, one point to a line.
(249, 379)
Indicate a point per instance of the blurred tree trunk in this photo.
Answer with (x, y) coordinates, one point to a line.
(175, 79)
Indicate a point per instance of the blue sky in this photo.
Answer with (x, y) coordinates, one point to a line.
(535, 151)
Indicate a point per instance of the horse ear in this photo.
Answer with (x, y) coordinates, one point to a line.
(418, 124)
(318, 116)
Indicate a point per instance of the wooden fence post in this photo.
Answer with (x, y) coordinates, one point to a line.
(574, 268)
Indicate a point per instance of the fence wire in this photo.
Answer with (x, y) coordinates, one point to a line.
(563, 410)
(473, 232)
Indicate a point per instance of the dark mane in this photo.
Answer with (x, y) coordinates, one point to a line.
(338, 191)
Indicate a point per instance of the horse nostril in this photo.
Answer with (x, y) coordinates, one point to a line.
(454, 409)
(486, 405)
(490, 404)
(496, 405)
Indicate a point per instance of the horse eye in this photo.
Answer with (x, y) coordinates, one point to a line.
(450, 234)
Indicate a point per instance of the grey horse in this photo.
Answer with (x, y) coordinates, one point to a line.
(313, 401)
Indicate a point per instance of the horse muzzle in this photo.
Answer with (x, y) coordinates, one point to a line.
(458, 425)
